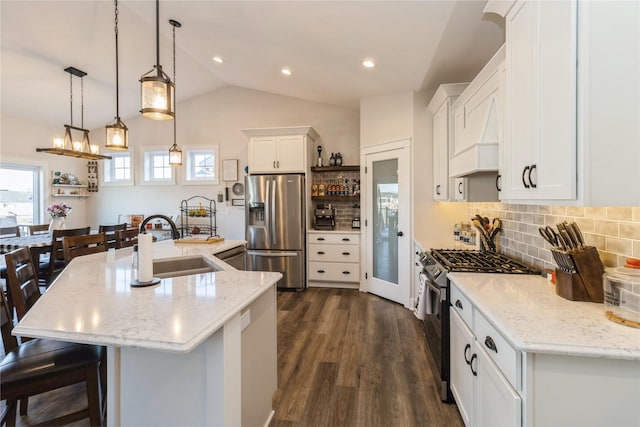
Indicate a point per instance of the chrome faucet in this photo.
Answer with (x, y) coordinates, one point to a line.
(174, 229)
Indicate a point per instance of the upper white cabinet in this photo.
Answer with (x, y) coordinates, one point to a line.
(280, 150)
(440, 106)
(572, 102)
(540, 138)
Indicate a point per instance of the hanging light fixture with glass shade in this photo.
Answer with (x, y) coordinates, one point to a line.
(117, 132)
(175, 153)
(67, 146)
(156, 88)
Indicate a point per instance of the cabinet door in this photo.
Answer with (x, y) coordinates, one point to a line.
(462, 380)
(291, 154)
(498, 403)
(441, 153)
(263, 154)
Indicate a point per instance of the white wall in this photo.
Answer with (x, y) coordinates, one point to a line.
(386, 118)
(213, 118)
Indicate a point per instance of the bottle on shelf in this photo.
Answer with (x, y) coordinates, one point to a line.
(338, 159)
(314, 188)
(332, 160)
(321, 190)
(319, 156)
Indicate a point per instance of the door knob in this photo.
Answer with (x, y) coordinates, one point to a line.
(400, 234)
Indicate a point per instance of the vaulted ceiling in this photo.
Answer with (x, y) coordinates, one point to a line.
(416, 46)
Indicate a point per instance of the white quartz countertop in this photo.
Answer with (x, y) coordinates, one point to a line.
(92, 301)
(534, 319)
(336, 230)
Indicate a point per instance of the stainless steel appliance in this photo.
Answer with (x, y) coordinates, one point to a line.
(436, 265)
(275, 227)
(325, 218)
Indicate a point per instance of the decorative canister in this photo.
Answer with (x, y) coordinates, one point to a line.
(622, 293)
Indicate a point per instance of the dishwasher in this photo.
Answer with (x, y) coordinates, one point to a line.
(235, 257)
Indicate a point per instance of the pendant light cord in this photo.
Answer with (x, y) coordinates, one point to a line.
(71, 96)
(82, 102)
(174, 82)
(158, 33)
(117, 77)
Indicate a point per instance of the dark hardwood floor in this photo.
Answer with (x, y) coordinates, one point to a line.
(345, 358)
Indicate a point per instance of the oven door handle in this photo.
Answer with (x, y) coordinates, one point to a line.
(442, 292)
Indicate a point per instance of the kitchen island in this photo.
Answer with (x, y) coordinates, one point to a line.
(525, 356)
(193, 350)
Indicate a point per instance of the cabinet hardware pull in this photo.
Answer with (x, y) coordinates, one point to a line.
(346, 239)
(438, 189)
(460, 187)
(274, 164)
(320, 238)
(459, 304)
(524, 171)
(346, 253)
(467, 347)
(490, 343)
(533, 185)
(278, 164)
(499, 182)
(320, 252)
(474, 357)
(346, 272)
(320, 271)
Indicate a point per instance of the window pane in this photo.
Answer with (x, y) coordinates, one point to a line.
(19, 195)
(118, 169)
(200, 165)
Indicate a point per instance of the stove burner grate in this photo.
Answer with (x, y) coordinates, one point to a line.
(479, 262)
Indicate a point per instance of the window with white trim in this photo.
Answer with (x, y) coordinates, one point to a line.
(200, 165)
(119, 169)
(157, 169)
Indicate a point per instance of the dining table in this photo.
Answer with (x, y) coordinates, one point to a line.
(9, 244)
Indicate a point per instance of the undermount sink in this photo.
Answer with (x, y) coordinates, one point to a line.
(183, 266)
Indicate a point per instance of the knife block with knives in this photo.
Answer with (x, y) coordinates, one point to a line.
(579, 272)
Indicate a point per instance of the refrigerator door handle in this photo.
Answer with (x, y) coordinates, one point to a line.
(272, 214)
(267, 212)
(278, 254)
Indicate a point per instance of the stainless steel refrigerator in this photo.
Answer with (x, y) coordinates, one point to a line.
(276, 227)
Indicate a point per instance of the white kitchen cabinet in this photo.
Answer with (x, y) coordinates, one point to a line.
(540, 139)
(462, 379)
(480, 187)
(333, 259)
(440, 107)
(281, 150)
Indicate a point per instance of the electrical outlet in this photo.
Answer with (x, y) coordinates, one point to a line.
(245, 319)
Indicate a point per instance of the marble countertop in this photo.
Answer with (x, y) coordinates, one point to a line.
(346, 230)
(534, 319)
(92, 302)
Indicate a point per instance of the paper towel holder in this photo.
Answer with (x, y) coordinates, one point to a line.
(138, 284)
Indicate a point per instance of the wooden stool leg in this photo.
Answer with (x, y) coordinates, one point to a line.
(24, 405)
(93, 396)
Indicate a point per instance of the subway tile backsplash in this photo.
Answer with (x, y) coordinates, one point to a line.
(615, 231)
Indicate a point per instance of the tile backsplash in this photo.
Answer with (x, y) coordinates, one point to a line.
(615, 231)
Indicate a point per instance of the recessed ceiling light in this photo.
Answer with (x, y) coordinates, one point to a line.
(286, 71)
(368, 63)
(218, 59)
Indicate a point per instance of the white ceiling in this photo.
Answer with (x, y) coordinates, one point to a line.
(416, 45)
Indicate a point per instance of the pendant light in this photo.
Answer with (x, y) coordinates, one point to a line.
(156, 88)
(117, 132)
(175, 153)
(67, 146)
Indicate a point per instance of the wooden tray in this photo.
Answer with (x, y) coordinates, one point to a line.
(198, 240)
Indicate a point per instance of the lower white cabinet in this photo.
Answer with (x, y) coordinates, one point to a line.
(333, 259)
(484, 369)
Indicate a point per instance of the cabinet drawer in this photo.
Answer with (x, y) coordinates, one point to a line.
(336, 238)
(334, 272)
(337, 253)
(462, 306)
(506, 358)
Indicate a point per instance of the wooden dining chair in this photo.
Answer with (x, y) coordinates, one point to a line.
(110, 231)
(38, 229)
(13, 231)
(40, 365)
(75, 246)
(49, 270)
(126, 238)
(22, 281)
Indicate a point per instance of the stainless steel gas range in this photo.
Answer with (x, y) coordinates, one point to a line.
(436, 264)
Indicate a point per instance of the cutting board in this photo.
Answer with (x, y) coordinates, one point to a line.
(199, 240)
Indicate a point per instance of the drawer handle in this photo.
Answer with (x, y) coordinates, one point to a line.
(346, 239)
(459, 304)
(474, 357)
(490, 343)
(321, 271)
(320, 252)
(346, 272)
(346, 253)
(321, 238)
(466, 348)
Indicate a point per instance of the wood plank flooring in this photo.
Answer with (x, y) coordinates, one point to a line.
(345, 358)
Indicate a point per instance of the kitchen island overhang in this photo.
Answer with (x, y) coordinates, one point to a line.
(175, 350)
